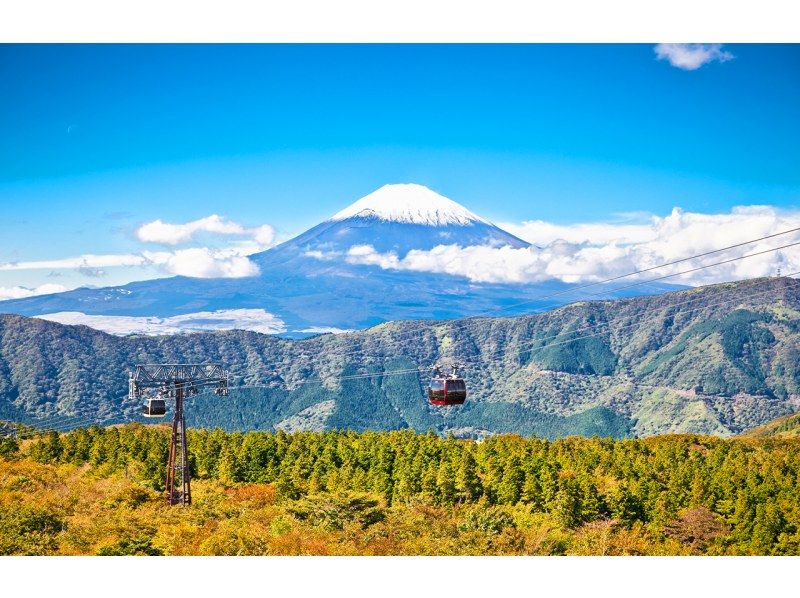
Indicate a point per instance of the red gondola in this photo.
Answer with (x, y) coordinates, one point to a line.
(447, 390)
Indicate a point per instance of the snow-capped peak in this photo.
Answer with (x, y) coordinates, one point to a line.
(409, 203)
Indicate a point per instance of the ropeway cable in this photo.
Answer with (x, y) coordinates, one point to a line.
(649, 281)
(664, 277)
(658, 267)
(615, 278)
(517, 350)
(482, 359)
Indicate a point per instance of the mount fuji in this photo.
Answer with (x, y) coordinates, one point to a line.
(342, 274)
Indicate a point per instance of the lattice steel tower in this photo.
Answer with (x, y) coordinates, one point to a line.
(175, 380)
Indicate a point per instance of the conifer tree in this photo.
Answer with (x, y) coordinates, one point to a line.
(532, 491)
(509, 489)
(567, 504)
(766, 527)
(468, 484)
(429, 487)
(446, 482)
(47, 449)
(229, 470)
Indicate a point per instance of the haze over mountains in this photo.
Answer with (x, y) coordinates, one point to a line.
(367, 264)
(713, 360)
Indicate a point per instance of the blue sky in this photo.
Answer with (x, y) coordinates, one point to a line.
(101, 139)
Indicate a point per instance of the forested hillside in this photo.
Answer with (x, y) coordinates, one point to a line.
(714, 360)
(787, 426)
(100, 491)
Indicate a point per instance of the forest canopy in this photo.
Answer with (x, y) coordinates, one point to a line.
(97, 491)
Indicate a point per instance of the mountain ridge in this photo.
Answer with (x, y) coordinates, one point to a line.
(713, 360)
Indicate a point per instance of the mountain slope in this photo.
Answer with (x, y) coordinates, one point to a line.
(339, 274)
(787, 426)
(716, 360)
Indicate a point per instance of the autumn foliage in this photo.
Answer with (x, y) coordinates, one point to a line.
(99, 491)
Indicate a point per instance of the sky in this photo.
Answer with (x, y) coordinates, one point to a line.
(101, 142)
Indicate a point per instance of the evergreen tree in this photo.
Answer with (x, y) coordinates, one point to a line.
(532, 491)
(510, 488)
(155, 463)
(229, 470)
(592, 506)
(9, 447)
(468, 484)
(47, 449)
(446, 482)
(767, 526)
(429, 487)
(567, 504)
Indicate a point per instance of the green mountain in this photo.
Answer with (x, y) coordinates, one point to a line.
(787, 426)
(712, 360)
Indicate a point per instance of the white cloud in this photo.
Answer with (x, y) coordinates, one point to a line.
(82, 261)
(690, 57)
(202, 262)
(594, 251)
(257, 320)
(264, 235)
(325, 330)
(591, 232)
(22, 292)
(197, 262)
(229, 261)
(167, 233)
(366, 254)
(322, 255)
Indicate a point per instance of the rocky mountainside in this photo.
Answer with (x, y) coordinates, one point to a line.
(716, 360)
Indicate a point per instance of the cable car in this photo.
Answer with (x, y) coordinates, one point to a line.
(155, 408)
(447, 390)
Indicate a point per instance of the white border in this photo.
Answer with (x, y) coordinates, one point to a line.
(470, 577)
(406, 21)
(399, 21)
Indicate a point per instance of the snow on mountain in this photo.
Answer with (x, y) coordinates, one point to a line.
(411, 204)
(394, 218)
(349, 272)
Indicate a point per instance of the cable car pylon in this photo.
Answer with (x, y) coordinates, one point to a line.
(175, 380)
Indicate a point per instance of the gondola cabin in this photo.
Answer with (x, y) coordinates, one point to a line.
(154, 408)
(447, 390)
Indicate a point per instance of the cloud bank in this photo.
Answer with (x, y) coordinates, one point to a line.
(257, 320)
(690, 57)
(231, 261)
(19, 292)
(167, 233)
(198, 262)
(590, 252)
(202, 262)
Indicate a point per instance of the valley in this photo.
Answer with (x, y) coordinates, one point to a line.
(711, 360)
